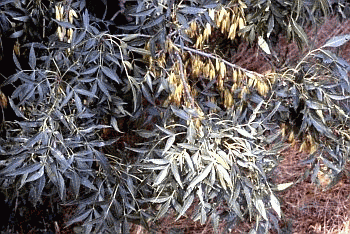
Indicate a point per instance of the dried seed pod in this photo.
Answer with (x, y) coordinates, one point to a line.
(241, 23)
(199, 41)
(3, 100)
(222, 70)
(232, 31)
(291, 137)
(212, 74)
(303, 147)
(69, 35)
(60, 33)
(220, 17)
(223, 25)
(283, 129)
(252, 82)
(220, 83)
(212, 14)
(61, 8)
(227, 22)
(228, 99)
(57, 12)
(193, 26)
(206, 70)
(207, 32)
(217, 64)
(313, 148)
(75, 15)
(234, 87)
(234, 76)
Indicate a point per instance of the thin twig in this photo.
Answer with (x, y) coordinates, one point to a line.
(223, 60)
(184, 82)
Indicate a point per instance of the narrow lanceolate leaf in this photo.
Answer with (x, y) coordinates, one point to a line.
(318, 124)
(263, 45)
(192, 10)
(85, 92)
(330, 165)
(168, 144)
(16, 162)
(111, 74)
(146, 12)
(337, 97)
(244, 133)
(284, 186)
(163, 209)
(78, 103)
(25, 170)
(18, 65)
(175, 171)
(168, 132)
(60, 158)
(32, 58)
(75, 182)
(79, 218)
(61, 185)
(275, 204)
(90, 70)
(219, 159)
(299, 31)
(36, 175)
(316, 105)
(161, 176)
(259, 204)
(337, 41)
(225, 175)
(114, 124)
(201, 176)
(180, 113)
(86, 19)
(187, 203)
(64, 24)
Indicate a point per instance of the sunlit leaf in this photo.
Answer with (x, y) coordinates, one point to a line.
(161, 176)
(201, 176)
(259, 204)
(275, 204)
(337, 41)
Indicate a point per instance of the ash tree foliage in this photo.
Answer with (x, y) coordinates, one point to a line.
(206, 134)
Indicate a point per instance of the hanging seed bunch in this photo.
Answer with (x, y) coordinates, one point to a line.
(232, 19)
(64, 14)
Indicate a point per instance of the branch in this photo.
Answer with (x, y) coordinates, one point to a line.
(224, 61)
(186, 88)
